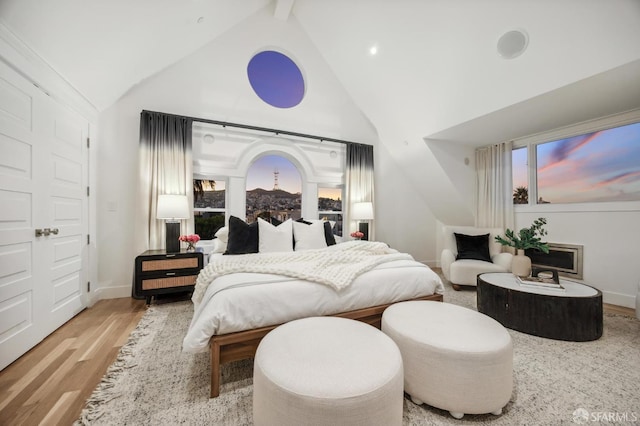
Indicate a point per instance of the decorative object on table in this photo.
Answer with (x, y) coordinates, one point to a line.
(172, 208)
(357, 235)
(191, 241)
(363, 213)
(526, 238)
(542, 278)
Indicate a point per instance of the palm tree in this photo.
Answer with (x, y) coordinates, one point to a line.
(199, 185)
(521, 195)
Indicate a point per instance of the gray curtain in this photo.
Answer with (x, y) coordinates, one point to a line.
(494, 188)
(359, 185)
(166, 167)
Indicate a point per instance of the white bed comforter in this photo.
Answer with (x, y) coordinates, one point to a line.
(237, 301)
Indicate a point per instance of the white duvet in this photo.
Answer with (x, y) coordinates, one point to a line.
(247, 300)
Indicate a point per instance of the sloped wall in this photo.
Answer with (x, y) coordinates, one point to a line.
(212, 83)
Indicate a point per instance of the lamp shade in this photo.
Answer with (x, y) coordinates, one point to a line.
(362, 211)
(172, 207)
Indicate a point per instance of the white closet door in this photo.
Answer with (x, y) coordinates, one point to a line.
(43, 178)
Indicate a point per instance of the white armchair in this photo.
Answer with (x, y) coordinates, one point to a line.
(465, 271)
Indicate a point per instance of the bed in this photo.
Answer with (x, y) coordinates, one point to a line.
(239, 299)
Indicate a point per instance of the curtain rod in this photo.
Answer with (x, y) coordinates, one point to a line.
(262, 129)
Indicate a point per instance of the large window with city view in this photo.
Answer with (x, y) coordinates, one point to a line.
(593, 167)
(274, 189)
(209, 200)
(330, 206)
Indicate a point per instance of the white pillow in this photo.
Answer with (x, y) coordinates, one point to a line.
(275, 238)
(309, 237)
(223, 234)
(219, 246)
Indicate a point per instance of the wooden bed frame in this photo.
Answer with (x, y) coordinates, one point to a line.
(231, 347)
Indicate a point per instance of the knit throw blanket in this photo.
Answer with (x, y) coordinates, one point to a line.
(336, 266)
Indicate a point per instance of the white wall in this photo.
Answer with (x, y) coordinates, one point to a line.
(212, 83)
(402, 219)
(610, 245)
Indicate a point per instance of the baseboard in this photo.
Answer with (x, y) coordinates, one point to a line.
(430, 263)
(109, 292)
(619, 299)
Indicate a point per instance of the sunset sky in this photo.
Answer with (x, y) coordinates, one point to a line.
(260, 174)
(600, 166)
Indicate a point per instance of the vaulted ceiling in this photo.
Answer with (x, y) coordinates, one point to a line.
(436, 73)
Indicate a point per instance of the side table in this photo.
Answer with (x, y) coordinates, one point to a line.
(159, 272)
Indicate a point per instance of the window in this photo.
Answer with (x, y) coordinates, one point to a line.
(209, 200)
(601, 166)
(330, 206)
(276, 79)
(598, 166)
(519, 169)
(274, 189)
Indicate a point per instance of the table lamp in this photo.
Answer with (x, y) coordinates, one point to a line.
(172, 208)
(363, 212)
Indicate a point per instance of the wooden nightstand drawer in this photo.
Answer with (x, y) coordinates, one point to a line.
(158, 272)
(156, 283)
(173, 263)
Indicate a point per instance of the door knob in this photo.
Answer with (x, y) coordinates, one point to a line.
(46, 232)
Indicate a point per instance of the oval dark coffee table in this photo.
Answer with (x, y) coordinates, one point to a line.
(573, 315)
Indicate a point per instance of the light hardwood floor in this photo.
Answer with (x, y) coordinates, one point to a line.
(50, 384)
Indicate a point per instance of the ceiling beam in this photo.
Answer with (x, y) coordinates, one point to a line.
(283, 9)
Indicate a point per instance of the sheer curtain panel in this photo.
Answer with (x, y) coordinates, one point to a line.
(494, 203)
(359, 181)
(166, 167)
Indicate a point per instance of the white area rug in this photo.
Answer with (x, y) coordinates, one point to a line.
(154, 383)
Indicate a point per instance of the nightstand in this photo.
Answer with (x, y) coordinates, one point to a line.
(159, 272)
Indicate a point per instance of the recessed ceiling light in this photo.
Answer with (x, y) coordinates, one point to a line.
(373, 50)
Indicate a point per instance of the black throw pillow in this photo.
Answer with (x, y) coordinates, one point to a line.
(274, 221)
(243, 237)
(328, 232)
(473, 247)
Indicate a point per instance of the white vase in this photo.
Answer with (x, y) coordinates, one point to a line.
(521, 264)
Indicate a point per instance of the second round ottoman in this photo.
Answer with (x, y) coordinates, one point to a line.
(327, 371)
(455, 358)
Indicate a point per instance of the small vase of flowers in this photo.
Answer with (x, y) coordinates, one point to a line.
(191, 241)
(526, 238)
(357, 235)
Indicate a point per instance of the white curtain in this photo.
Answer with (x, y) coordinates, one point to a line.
(166, 167)
(358, 183)
(494, 203)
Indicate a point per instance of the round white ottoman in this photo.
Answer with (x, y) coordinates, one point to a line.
(454, 358)
(327, 371)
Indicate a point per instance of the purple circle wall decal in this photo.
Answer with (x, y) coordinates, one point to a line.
(276, 79)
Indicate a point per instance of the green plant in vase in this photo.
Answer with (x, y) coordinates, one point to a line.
(526, 238)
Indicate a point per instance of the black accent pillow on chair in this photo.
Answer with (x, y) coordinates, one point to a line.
(473, 247)
(243, 237)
